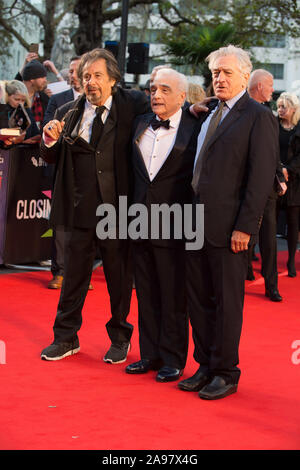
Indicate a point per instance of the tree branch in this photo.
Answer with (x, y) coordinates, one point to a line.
(117, 12)
(14, 32)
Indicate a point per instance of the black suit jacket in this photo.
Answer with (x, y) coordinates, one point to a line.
(172, 183)
(127, 104)
(55, 102)
(238, 171)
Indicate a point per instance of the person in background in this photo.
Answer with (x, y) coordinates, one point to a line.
(146, 88)
(16, 94)
(72, 94)
(34, 77)
(2, 91)
(195, 93)
(260, 88)
(288, 108)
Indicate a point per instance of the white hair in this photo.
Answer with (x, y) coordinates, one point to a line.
(242, 56)
(181, 79)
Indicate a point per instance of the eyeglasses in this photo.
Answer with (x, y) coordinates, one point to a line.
(66, 138)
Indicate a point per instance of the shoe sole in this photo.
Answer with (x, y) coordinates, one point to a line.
(168, 379)
(110, 361)
(58, 358)
(195, 389)
(218, 397)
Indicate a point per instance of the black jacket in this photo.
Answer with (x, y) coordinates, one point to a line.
(292, 195)
(238, 171)
(129, 104)
(172, 183)
(55, 102)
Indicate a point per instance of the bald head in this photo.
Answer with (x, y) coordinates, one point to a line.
(260, 85)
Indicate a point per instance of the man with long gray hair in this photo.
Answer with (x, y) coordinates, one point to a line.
(89, 140)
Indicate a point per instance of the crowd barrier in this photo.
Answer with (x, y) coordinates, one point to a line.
(25, 203)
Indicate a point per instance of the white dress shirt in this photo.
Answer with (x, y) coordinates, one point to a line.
(76, 94)
(89, 113)
(228, 106)
(156, 145)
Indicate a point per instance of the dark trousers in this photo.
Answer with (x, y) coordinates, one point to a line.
(292, 218)
(60, 237)
(162, 310)
(268, 244)
(215, 286)
(117, 265)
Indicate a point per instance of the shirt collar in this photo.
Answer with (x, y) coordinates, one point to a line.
(230, 103)
(75, 93)
(107, 104)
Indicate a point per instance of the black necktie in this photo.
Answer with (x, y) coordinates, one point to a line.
(156, 124)
(212, 127)
(97, 127)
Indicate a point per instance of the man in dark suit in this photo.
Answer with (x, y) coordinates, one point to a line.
(59, 99)
(163, 156)
(91, 145)
(260, 89)
(59, 233)
(233, 176)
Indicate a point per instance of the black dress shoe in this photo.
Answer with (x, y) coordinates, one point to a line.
(143, 366)
(168, 374)
(291, 269)
(250, 274)
(194, 383)
(217, 389)
(273, 295)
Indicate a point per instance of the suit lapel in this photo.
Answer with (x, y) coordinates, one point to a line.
(185, 130)
(184, 133)
(74, 116)
(140, 129)
(111, 120)
(231, 117)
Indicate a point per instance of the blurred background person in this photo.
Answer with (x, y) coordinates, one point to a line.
(15, 94)
(2, 91)
(66, 96)
(261, 88)
(288, 108)
(195, 93)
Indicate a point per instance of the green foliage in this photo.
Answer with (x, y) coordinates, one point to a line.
(193, 44)
(200, 26)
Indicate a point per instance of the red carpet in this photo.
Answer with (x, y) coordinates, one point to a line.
(83, 403)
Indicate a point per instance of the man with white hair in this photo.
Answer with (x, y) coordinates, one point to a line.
(233, 175)
(261, 89)
(164, 146)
